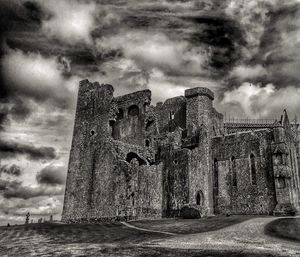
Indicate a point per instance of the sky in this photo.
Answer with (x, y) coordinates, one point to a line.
(246, 51)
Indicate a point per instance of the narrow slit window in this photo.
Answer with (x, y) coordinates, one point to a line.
(198, 199)
(216, 174)
(233, 167)
(253, 169)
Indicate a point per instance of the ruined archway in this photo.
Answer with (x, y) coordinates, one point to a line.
(130, 156)
(133, 110)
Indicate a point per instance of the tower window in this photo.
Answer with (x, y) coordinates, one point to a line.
(172, 115)
(281, 182)
(198, 199)
(147, 142)
(252, 169)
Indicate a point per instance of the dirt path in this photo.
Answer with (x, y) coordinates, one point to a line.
(248, 235)
(147, 230)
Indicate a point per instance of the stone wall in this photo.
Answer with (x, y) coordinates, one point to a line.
(175, 181)
(129, 125)
(241, 191)
(286, 170)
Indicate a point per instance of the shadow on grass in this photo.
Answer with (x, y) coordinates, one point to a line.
(285, 228)
(190, 226)
(104, 233)
(167, 252)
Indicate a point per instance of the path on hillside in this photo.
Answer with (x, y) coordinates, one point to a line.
(147, 230)
(248, 235)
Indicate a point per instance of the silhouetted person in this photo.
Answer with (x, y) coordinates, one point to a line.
(8, 224)
(27, 218)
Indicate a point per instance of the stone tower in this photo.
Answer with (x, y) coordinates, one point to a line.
(91, 130)
(199, 121)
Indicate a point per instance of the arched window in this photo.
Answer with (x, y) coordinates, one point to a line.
(252, 169)
(198, 199)
(120, 114)
(133, 110)
(132, 198)
(216, 173)
(233, 167)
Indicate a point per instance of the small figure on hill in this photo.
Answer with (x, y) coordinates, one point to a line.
(51, 218)
(8, 224)
(27, 218)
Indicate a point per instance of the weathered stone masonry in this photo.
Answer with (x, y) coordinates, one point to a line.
(132, 160)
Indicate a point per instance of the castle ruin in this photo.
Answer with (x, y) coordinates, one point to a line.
(132, 160)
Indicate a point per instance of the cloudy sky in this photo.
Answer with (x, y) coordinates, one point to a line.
(246, 51)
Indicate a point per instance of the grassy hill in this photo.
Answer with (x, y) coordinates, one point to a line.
(110, 239)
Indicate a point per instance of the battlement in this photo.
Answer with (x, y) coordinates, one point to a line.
(197, 91)
(85, 85)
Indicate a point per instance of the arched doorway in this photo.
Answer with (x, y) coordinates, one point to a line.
(199, 198)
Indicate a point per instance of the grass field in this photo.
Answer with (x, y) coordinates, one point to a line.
(189, 226)
(286, 228)
(111, 239)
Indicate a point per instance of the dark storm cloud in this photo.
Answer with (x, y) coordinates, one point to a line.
(18, 16)
(13, 170)
(31, 66)
(51, 175)
(15, 18)
(273, 59)
(9, 149)
(279, 48)
(16, 189)
(224, 38)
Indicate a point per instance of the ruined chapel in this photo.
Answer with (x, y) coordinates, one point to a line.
(132, 160)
